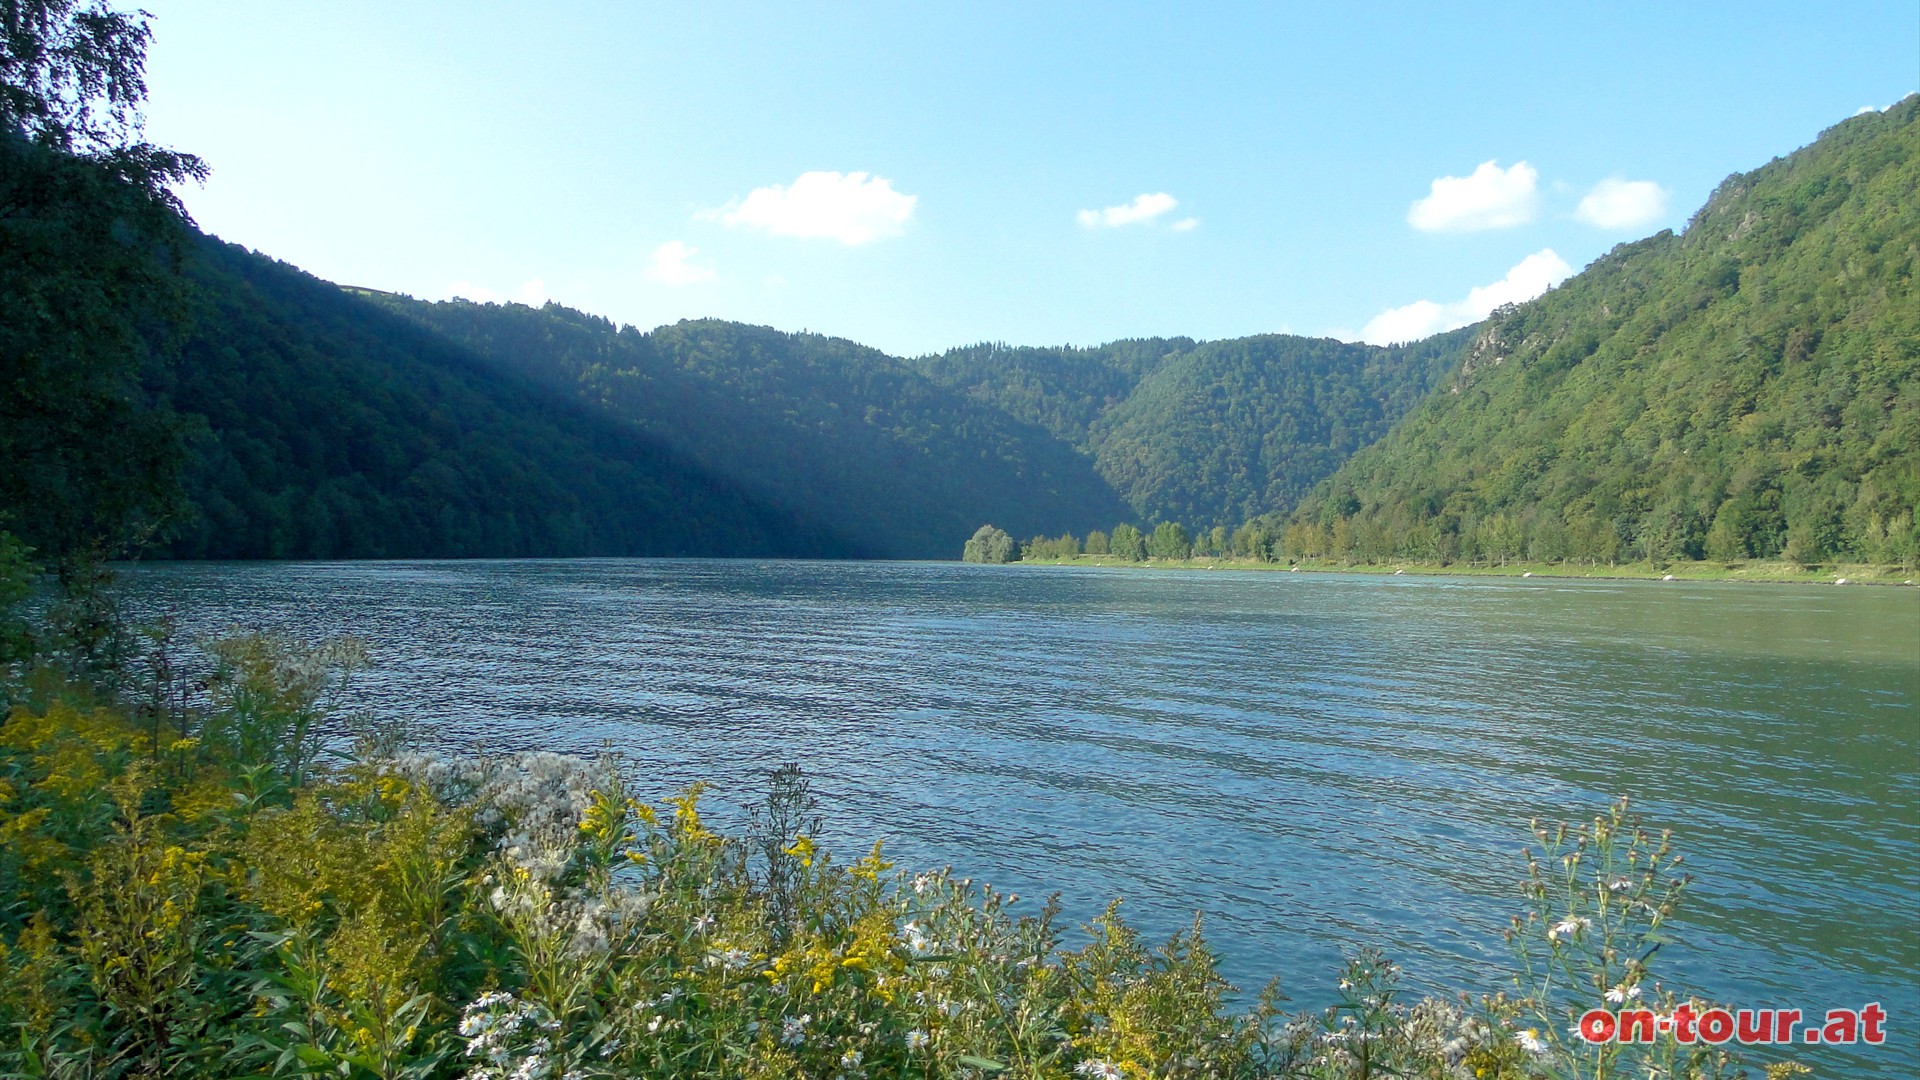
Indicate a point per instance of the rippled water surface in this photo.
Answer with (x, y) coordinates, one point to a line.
(1310, 760)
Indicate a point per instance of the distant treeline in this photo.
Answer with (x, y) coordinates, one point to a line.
(1495, 540)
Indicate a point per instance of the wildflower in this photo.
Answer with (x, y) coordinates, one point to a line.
(1569, 925)
(917, 1039)
(793, 1030)
(1099, 1070)
(1619, 994)
(916, 939)
(1530, 1041)
(729, 959)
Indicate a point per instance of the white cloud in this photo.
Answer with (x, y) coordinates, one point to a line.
(1186, 224)
(1491, 198)
(672, 264)
(853, 208)
(1529, 278)
(532, 292)
(1143, 208)
(1623, 204)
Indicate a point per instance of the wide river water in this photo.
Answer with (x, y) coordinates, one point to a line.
(1312, 761)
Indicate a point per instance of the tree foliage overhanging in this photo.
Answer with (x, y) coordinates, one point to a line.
(90, 239)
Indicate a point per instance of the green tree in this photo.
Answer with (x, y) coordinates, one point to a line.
(989, 545)
(1169, 541)
(1547, 541)
(91, 297)
(1340, 544)
(1128, 543)
(1500, 539)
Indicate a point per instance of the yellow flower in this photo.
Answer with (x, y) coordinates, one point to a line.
(802, 849)
(871, 867)
(686, 815)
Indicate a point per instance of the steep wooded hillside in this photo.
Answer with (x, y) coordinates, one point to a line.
(1747, 388)
(1207, 433)
(822, 427)
(319, 425)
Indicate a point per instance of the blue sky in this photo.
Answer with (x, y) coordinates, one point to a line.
(921, 176)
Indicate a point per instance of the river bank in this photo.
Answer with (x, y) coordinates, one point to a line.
(1764, 571)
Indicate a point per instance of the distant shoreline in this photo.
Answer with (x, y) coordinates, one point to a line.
(1755, 571)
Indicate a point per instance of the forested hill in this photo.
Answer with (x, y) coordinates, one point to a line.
(827, 429)
(1063, 389)
(1208, 433)
(319, 425)
(1748, 388)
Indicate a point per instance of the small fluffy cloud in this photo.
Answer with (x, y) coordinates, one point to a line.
(1186, 224)
(1529, 278)
(1491, 198)
(1144, 208)
(672, 264)
(853, 208)
(532, 292)
(1623, 204)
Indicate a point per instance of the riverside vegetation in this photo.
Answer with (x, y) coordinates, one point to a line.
(1499, 548)
(207, 870)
